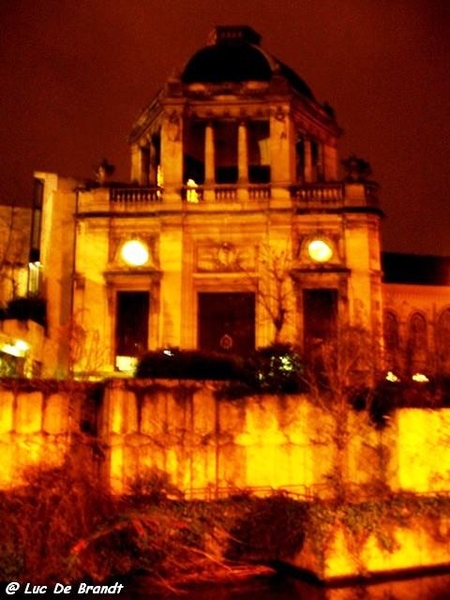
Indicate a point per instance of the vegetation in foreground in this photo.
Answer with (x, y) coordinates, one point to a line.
(62, 526)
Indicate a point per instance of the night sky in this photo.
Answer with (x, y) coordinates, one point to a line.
(76, 73)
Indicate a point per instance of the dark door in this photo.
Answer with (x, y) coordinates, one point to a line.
(226, 322)
(132, 323)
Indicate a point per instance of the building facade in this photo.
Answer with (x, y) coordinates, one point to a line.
(235, 231)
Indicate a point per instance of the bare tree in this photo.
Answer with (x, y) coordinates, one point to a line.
(346, 373)
(272, 285)
(87, 354)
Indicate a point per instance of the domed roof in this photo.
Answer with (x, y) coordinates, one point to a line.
(234, 56)
(232, 62)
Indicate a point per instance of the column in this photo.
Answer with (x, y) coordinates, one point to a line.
(330, 160)
(145, 165)
(242, 153)
(135, 163)
(172, 153)
(210, 175)
(242, 191)
(153, 167)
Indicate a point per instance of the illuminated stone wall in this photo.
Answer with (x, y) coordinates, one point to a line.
(421, 545)
(203, 442)
(209, 446)
(43, 424)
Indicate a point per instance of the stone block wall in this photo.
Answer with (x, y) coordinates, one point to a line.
(42, 424)
(125, 428)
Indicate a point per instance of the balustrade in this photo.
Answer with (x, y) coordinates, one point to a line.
(135, 195)
(326, 194)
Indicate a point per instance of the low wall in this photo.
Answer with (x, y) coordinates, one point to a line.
(422, 546)
(210, 447)
(43, 423)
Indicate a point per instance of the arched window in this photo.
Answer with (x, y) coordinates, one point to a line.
(391, 341)
(443, 342)
(417, 347)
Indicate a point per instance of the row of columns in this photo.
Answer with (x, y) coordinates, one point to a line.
(210, 167)
(144, 165)
(324, 167)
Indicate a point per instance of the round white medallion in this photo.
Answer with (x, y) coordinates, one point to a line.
(134, 253)
(320, 250)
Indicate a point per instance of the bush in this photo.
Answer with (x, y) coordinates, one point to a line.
(43, 520)
(272, 529)
(270, 370)
(386, 396)
(276, 369)
(26, 308)
(188, 364)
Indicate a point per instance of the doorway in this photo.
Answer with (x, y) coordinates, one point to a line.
(226, 322)
(132, 313)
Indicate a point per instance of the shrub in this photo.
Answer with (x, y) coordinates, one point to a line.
(26, 308)
(271, 529)
(270, 370)
(188, 364)
(43, 520)
(274, 369)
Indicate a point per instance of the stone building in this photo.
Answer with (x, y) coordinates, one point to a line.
(235, 231)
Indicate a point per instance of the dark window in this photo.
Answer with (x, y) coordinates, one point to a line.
(226, 322)
(417, 348)
(391, 340)
(132, 323)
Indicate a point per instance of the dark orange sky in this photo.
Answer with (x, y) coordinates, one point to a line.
(76, 73)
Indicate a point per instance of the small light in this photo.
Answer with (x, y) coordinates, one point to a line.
(392, 377)
(126, 363)
(320, 250)
(21, 345)
(420, 378)
(135, 253)
(18, 348)
(168, 352)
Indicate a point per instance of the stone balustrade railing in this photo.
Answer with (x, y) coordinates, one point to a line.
(314, 196)
(135, 195)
